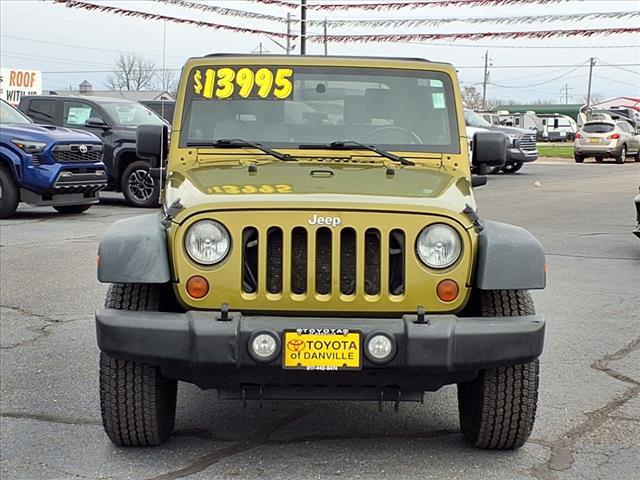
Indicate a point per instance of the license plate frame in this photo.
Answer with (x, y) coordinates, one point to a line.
(594, 140)
(320, 335)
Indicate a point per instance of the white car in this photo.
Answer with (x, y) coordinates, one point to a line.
(606, 138)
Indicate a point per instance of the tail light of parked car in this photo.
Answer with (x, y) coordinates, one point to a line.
(615, 136)
(578, 135)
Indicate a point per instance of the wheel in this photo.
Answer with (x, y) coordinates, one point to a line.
(72, 208)
(622, 156)
(636, 157)
(512, 167)
(140, 189)
(599, 159)
(578, 158)
(493, 170)
(138, 404)
(9, 193)
(497, 409)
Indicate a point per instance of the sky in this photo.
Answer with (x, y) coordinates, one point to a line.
(70, 46)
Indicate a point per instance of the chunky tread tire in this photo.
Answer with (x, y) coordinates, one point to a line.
(137, 402)
(72, 208)
(497, 409)
(512, 167)
(10, 196)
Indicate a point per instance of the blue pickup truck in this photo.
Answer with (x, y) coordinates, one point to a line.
(47, 165)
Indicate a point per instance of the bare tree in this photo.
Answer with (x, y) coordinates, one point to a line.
(471, 98)
(166, 81)
(132, 72)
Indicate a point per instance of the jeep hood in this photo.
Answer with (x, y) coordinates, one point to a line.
(46, 133)
(319, 185)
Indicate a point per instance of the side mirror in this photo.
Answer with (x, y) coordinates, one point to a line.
(152, 143)
(489, 150)
(96, 123)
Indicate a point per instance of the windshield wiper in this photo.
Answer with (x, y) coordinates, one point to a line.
(353, 145)
(240, 143)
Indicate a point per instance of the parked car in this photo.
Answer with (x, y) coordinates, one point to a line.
(606, 139)
(522, 143)
(636, 231)
(50, 166)
(114, 121)
(164, 108)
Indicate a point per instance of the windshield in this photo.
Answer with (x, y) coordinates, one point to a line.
(131, 114)
(472, 119)
(410, 110)
(8, 114)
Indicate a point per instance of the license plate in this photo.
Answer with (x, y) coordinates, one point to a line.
(308, 350)
(594, 140)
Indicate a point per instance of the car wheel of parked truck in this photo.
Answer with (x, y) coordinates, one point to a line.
(497, 409)
(9, 193)
(137, 402)
(68, 209)
(140, 189)
(512, 167)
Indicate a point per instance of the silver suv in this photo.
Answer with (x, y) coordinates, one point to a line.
(606, 139)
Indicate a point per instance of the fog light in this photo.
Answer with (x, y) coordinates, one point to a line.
(380, 347)
(264, 346)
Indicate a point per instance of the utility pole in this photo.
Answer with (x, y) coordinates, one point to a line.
(288, 33)
(592, 62)
(485, 80)
(566, 89)
(303, 27)
(325, 36)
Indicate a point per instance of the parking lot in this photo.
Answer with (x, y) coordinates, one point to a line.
(588, 423)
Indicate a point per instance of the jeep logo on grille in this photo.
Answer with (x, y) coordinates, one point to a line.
(83, 149)
(329, 221)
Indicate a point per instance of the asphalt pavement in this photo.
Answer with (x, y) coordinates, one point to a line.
(588, 423)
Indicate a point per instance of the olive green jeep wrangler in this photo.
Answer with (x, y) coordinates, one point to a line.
(319, 240)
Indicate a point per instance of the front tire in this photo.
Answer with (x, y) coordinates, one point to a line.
(72, 208)
(9, 193)
(497, 409)
(512, 167)
(138, 403)
(139, 188)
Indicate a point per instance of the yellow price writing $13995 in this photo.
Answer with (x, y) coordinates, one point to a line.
(263, 83)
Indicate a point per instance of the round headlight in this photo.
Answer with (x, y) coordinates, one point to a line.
(207, 242)
(439, 246)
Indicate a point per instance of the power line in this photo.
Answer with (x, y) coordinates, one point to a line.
(541, 83)
(617, 81)
(618, 67)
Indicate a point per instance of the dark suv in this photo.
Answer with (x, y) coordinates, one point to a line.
(115, 122)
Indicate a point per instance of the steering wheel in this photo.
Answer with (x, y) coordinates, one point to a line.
(413, 136)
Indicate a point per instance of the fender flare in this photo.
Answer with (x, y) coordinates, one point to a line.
(12, 160)
(118, 152)
(509, 258)
(134, 250)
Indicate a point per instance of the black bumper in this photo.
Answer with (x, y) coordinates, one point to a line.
(200, 348)
(521, 156)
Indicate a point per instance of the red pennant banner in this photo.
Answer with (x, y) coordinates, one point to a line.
(421, 37)
(407, 4)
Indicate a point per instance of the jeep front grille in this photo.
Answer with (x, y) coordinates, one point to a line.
(309, 258)
(74, 153)
(528, 142)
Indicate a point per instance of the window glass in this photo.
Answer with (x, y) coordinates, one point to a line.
(624, 126)
(131, 114)
(472, 119)
(8, 114)
(42, 111)
(598, 127)
(410, 110)
(76, 113)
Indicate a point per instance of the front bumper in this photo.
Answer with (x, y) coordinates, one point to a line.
(200, 348)
(519, 155)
